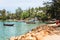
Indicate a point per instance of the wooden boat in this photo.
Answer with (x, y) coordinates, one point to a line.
(8, 24)
(50, 22)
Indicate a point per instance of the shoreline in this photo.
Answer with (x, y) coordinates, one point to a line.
(39, 33)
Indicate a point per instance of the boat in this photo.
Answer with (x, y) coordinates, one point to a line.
(30, 22)
(8, 24)
(50, 22)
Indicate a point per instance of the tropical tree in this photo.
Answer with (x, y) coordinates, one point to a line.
(19, 13)
(25, 15)
(3, 13)
(32, 12)
(54, 9)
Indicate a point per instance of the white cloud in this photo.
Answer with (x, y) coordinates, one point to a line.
(24, 4)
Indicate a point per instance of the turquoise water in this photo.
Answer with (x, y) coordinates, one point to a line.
(19, 28)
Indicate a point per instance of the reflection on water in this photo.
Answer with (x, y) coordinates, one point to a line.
(19, 28)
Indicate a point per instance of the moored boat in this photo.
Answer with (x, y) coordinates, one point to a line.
(8, 24)
(30, 22)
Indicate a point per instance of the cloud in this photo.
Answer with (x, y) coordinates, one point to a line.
(24, 4)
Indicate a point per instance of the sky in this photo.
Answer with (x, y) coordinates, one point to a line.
(12, 5)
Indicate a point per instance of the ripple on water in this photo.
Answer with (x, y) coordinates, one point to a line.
(19, 28)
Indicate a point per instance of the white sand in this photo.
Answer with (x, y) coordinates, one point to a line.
(52, 24)
(52, 37)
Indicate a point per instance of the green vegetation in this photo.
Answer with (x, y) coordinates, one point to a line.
(23, 14)
(49, 11)
(54, 9)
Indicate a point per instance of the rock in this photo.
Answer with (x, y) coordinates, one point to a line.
(12, 38)
(40, 33)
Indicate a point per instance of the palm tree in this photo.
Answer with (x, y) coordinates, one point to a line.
(19, 12)
(3, 12)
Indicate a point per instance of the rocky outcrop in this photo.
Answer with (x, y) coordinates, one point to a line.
(39, 33)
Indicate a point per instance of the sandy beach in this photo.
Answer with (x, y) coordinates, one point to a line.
(40, 33)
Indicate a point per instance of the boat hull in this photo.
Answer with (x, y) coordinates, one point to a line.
(8, 24)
